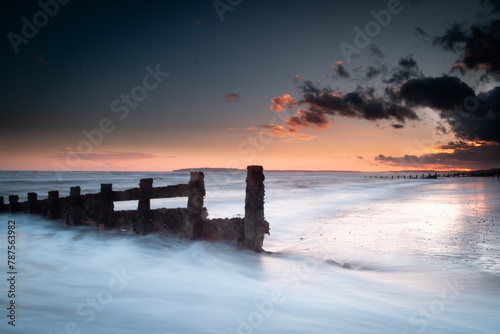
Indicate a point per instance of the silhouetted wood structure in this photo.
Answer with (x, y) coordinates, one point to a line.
(495, 172)
(190, 222)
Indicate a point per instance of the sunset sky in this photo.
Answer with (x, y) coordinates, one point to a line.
(317, 85)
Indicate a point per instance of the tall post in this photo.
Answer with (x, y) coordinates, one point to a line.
(1, 204)
(14, 203)
(32, 203)
(106, 205)
(194, 226)
(255, 226)
(144, 225)
(54, 210)
(75, 206)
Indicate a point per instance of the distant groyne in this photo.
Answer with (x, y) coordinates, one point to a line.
(191, 222)
(435, 175)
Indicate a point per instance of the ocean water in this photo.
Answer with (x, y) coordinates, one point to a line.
(347, 254)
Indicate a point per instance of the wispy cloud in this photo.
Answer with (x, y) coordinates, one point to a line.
(340, 70)
(233, 97)
(279, 131)
(106, 156)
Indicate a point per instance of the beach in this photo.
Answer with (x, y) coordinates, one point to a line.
(347, 254)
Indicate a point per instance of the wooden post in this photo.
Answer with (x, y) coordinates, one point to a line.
(194, 226)
(255, 226)
(54, 210)
(14, 203)
(75, 206)
(1, 204)
(144, 225)
(32, 203)
(106, 205)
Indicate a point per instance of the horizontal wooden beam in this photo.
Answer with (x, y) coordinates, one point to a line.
(178, 190)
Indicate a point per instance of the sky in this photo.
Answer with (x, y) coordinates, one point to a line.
(290, 85)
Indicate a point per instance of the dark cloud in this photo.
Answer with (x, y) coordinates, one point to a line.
(408, 62)
(406, 70)
(362, 104)
(438, 93)
(495, 4)
(372, 72)
(376, 70)
(340, 70)
(308, 118)
(454, 154)
(478, 121)
(479, 44)
(452, 38)
(471, 117)
(375, 51)
(233, 97)
(421, 35)
(398, 126)
(419, 32)
(483, 47)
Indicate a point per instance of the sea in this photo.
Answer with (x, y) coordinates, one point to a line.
(347, 253)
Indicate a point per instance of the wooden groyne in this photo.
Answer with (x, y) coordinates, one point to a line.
(476, 173)
(190, 222)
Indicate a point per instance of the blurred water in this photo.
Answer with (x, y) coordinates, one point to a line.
(423, 257)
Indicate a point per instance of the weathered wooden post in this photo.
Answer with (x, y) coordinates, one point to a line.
(53, 210)
(143, 224)
(1, 204)
(75, 206)
(106, 205)
(32, 203)
(254, 226)
(14, 203)
(194, 226)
